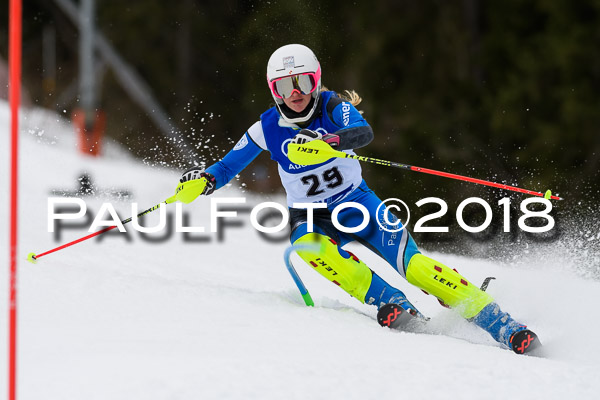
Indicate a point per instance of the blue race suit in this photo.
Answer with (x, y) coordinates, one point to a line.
(338, 182)
(333, 182)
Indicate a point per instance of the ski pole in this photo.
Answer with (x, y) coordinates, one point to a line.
(317, 152)
(32, 257)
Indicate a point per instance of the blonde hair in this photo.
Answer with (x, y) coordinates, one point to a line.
(349, 95)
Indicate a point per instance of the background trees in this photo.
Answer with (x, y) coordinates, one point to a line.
(498, 90)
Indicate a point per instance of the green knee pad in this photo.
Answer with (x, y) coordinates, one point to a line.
(321, 253)
(447, 285)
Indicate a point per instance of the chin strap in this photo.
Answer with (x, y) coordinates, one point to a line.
(311, 112)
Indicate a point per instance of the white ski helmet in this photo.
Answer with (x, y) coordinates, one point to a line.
(294, 67)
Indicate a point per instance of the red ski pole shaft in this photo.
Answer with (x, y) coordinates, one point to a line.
(448, 175)
(317, 151)
(481, 182)
(100, 232)
(33, 257)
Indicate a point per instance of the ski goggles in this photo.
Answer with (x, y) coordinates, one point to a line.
(303, 83)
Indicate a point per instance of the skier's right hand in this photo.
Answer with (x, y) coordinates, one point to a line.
(193, 183)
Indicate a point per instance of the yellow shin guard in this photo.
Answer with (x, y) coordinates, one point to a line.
(351, 274)
(447, 285)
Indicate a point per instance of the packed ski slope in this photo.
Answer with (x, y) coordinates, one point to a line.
(119, 319)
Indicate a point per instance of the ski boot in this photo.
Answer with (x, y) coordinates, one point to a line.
(505, 330)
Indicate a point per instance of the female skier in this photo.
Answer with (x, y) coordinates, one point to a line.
(303, 112)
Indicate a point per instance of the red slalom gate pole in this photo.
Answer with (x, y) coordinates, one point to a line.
(14, 65)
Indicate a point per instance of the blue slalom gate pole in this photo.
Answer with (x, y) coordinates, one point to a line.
(287, 256)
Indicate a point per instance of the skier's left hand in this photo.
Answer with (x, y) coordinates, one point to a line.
(305, 136)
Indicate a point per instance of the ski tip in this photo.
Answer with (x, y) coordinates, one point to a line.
(388, 315)
(31, 258)
(526, 342)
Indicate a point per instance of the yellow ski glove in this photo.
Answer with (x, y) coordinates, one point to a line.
(193, 183)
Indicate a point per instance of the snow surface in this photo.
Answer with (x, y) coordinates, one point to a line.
(118, 319)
